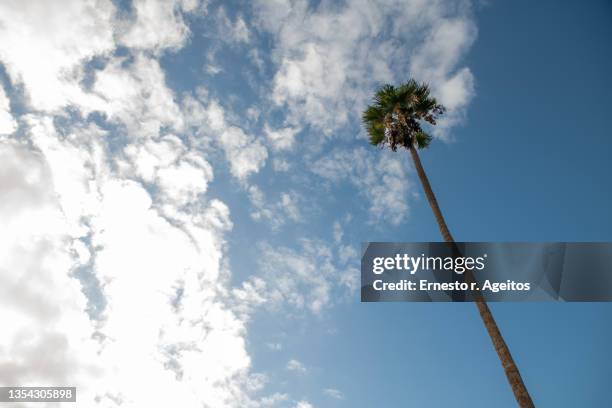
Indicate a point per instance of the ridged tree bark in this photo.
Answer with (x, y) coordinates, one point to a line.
(512, 373)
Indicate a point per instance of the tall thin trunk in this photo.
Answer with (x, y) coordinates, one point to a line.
(512, 372)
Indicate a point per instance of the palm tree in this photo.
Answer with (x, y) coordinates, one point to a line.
(394, 118)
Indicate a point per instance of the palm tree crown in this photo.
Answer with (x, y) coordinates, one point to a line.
(396, 112)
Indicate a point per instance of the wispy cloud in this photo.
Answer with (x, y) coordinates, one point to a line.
(382, 180)
(297, 366)
(123, 198)
(113, 173)
(330, 57)
(275, 346)
(276, 214)
(144, 31)
(334, 393)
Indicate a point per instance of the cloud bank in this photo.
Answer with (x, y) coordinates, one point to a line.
(114, 250)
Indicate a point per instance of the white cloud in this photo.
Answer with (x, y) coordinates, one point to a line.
(125, 198)
(7, 122)
(347, 257)
(193, 343)
(180, 175)
(43, 46)
(273, 400)
(134, 93)
(245, 153)
(213, 69)
(281, 139)
(299, 279)
(49, 339)
(44, 49)
(347, 253)
(249, 296)
(297, 366)
(184, 181)
(381, 180)
(236, 31)
(330, 59)
(337, 231)
(275, 346)
(73, 197)
(280, 165)
(240, 30)
(435, 61)
(334, 393)
(181, 340)
(310, 278)
(277, 214)
(288, 203)
(157, 25)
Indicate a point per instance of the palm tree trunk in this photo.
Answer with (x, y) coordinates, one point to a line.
(512, 372)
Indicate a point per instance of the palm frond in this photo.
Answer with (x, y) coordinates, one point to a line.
(396, 114)
(376, 131)
(386, 98)
(422, 139)
(373, 114)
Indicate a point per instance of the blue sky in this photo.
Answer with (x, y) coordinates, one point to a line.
(197, 171)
